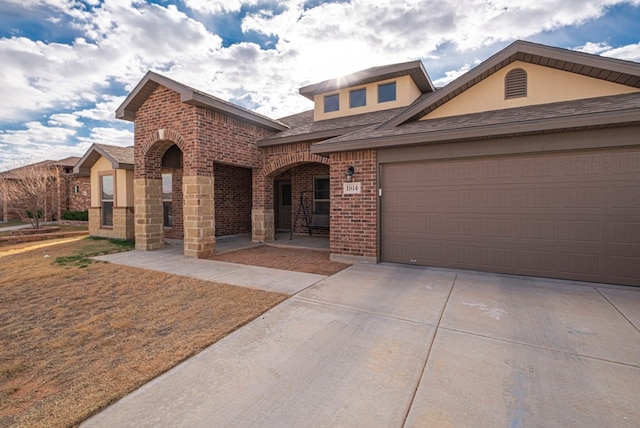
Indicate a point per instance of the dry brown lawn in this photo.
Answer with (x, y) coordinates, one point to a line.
(295, 259)
(74, 339)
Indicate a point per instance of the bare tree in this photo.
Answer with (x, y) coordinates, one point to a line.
(28, 191)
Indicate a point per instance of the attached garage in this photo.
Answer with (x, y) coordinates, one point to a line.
(568, 214)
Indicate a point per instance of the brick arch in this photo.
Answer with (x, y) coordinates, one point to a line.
(288, 161)
(162, 135)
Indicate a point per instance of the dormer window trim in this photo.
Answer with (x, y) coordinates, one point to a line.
(331, 103)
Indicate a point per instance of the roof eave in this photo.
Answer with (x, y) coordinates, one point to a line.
(557, 124)
(86, 162)
(127, 110)
(201, 100)
(413, 68)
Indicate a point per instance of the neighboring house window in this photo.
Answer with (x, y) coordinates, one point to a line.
(167, 196)
(387, 92)
(106, 191)
(76, 189)
(321, 195)
(331, 103)
(358, 98)
(515, 84)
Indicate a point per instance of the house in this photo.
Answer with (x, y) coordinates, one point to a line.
(66, 192)
(110, 169)
(528, 164)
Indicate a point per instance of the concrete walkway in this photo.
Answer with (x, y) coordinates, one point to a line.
(392, 346)
(171, 260)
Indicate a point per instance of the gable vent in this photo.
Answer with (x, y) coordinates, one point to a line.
(515, 84)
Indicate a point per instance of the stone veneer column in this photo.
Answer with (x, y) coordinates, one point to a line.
(262, 221)
(198, 216)
(148, 214)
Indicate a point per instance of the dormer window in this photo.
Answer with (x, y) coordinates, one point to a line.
(331, 103)
(358, 98)
(387, 92)
(515, 84)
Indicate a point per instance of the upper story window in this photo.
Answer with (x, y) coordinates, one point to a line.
(387, 92)
(106, 200)
(331, 103)
(515, 84)
(358, 98)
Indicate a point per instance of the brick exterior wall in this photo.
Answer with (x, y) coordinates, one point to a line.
(232, 190)
(354, 231)
(204, 137)
(82, 200)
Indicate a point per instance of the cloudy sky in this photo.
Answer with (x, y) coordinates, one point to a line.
(66, 65)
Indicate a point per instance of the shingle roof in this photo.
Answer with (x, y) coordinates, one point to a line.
(415, 69)
(303, 127)
(615, 110)
(120, 154)
(120, 158)
(188, 95)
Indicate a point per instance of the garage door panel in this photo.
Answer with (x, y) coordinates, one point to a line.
(564, 215)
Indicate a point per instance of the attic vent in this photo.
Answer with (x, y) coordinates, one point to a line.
(515, 84)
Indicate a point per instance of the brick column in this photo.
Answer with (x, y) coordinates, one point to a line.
(148, 214)
(198, 215)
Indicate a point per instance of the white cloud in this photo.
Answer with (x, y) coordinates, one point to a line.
(119, 40)
(451, 75)
(111, 136)
(65, 119)
(629, 52)
(217, 6)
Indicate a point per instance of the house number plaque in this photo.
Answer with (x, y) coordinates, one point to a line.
(351, 188)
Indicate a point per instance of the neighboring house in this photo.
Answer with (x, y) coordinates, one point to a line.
(111, 171)
(68, 192)
(528, 164)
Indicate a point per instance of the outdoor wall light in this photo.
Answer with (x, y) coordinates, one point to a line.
(349, 174)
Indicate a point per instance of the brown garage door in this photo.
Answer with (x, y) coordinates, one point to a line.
(572, 215)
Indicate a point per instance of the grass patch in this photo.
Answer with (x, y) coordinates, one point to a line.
(84, 257)
(75, 339)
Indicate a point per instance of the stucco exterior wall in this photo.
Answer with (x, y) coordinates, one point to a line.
(123, 211)
(544, 85)
(406, 93)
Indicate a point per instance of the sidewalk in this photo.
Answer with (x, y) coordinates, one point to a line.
(171, 260)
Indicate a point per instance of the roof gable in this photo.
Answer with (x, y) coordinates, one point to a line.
(542, 85)
(120, 158)
(608, 69)
(188, 95)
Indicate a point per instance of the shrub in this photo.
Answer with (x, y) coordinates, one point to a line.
(30, 214)
(76, 215)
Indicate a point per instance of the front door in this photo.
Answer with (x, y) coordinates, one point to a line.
(283, 205)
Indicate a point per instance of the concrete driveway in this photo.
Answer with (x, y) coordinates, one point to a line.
(392, 346)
